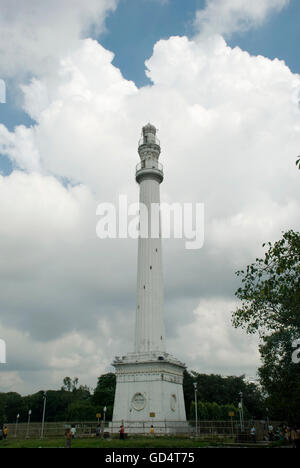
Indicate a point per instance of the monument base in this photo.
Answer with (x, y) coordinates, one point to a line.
(149, 393)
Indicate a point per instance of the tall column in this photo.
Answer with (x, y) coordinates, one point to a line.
(150, 333)
(149, 380)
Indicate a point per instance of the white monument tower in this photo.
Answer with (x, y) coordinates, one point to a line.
(149, 381)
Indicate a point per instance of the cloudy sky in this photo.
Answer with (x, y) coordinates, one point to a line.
(220, 79)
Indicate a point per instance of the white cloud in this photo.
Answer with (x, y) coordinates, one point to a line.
(35, 35)
(47, 363)
(229, 16)
(230, 132)
(210, 343)
(18, 145)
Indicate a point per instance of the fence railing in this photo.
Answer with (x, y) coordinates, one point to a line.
(206, 429)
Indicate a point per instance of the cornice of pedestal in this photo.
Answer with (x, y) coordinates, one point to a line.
(148, 359)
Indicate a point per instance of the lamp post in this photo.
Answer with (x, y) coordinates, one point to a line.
(44, 413)
(104, 415)
(28, 422)
(241, 412)
(17, 420)
(196, 407)
(268, 421)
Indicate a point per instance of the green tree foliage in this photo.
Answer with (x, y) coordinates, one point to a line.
(70, 385)
(11, 404)
(2, 408)
(280, 376)
(270, 305)
(222, 391)
(57, 403)
(75, 403)
(104, 394)
(215, 412)
(81, 411)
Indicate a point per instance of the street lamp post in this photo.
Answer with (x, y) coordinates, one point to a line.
(241, 412)
(104, 416)
(196, 407)
(28, 422)
(17, 420)
(44, 413)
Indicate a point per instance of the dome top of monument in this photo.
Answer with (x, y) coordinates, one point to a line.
(149, 128)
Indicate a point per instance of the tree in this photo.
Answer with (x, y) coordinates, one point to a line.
(2, 408)
(280, 376)
(67, 384)
(81, 411)
(223, 391)
(70, 385)
(270, 305)
(104, 394)
(10, 405)
(188, 391)
(58, 403)
(208, 411)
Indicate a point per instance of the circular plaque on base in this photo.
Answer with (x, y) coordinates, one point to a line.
(173, 402)
(138, 401)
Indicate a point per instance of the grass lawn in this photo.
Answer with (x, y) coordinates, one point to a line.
(160, 442)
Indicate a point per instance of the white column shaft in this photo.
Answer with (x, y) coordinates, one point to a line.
(150, 334)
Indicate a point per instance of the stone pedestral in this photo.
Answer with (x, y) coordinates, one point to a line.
(149, 392)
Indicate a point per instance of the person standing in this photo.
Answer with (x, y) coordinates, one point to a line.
(68, 435)
(5, 432)
(271, 433)
(253, 434)
(73, 432)
(122, 432)
(297, 438)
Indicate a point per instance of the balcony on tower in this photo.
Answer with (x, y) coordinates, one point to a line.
(149, 169)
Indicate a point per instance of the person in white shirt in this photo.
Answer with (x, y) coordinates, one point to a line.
(253, 434)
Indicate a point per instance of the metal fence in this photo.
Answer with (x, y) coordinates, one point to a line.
(52, 430)
(203, 429)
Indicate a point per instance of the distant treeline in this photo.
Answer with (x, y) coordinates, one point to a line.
(217, 396)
